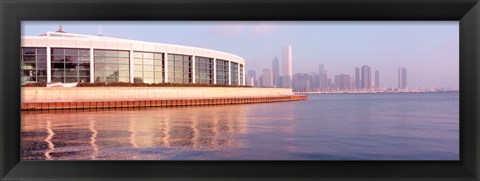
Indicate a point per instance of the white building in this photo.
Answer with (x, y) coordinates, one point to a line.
(65, 57)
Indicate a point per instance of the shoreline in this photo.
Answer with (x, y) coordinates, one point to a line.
(34, 98)
(61, 105)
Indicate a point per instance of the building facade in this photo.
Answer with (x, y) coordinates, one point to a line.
(301, 82)
(366, 77)
(342, 82)
(65, 57)
(251, 74)
(267, 78)
(276, 71)
(402, 78)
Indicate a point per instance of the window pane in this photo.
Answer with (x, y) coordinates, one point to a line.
(99, 53)
(71, 66)
(42, 72)
(85, 53)
(158, 56)
(111, 53)
(147, 55)
(58, 51)
(84, 66)
(71, 52)
(41, 58)
(137, 55)
(147, 68)
(41, 51)
(84, 59)
(123, 54)
(58, 66)
(100, 59)
(147, 74)
(99, 73)
(111, 66)
(58, 73)
(124, 67)
(138, 68)
(123, 60)
(137, 61)
(147, 62)
(84, 72)
(28, 50)
(112, 60)
(29, 58)
(57, 79)
(124, 73)
(71, 73)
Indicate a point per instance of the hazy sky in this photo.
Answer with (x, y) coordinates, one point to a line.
(429, 50)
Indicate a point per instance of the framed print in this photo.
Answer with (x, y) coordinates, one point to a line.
(239, 90)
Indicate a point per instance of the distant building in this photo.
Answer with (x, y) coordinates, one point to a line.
(301, 82)
(377, 79)
(252, 74)
(315, 81)
(287, 66)
(342, 82)
(402, 78)
(366, 77)
(267, 78)
(357, 78)
(276, 71)
(323, 78)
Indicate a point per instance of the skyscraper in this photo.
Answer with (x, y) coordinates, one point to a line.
(267, 78)
(377, 79)
(321, 69)
(366, 77)
(276, 71)
(322, 74)
(342, 82)
(402, 78)
(287, 66)
(357, 78)
(301, 82)
(252, 74)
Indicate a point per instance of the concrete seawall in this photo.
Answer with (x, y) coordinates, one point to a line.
(41, 98)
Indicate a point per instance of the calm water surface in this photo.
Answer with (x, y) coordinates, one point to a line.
(396, 126)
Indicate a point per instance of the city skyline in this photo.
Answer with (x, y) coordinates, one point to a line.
(428, 49)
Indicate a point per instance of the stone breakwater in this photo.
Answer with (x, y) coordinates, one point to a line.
(35, 98)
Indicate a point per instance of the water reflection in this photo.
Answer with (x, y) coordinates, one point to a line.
(142, 133)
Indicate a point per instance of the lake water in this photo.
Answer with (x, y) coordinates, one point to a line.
(387, 126)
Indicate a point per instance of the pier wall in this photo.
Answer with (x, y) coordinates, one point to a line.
(36, 98)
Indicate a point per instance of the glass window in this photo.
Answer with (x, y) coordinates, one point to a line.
(123, 54)
(41, 58)
(147, 55)
(147, 62)
(71, 52)
(117, 64)
(29, 58)
(84, 52)
(58, 51)
(137, 55)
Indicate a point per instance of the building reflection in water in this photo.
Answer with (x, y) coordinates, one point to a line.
(141, 133)
(49, 140)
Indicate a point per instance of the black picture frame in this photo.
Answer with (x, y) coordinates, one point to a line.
(12, 12)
